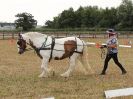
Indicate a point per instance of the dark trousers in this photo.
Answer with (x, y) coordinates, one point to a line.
(115, 58)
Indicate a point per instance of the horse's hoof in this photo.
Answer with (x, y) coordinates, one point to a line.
(42, 76)
(65, 75)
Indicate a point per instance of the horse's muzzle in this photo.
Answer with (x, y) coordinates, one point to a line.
(21, 51)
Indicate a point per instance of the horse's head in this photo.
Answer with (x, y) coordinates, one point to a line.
(21, 43)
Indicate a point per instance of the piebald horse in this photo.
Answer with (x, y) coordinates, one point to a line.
(49, 48)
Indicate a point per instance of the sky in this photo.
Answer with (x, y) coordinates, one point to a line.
(44, 10)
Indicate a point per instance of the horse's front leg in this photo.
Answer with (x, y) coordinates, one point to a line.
(44, 68)
(71, 67)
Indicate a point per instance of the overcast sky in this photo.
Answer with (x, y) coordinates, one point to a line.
(43, 10)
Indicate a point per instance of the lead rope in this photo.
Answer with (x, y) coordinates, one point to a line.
(52, 47)
(76, 44)
(103, 53)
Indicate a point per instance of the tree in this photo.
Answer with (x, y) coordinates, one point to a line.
(67, 19)
(79, 17)
(26, 21)
(108, 18)
(93, 17)
(125, 14)
(49, 24)
(90, 16)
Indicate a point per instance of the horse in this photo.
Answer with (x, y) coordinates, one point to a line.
(50, 48)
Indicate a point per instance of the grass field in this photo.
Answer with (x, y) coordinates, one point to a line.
(19, 75)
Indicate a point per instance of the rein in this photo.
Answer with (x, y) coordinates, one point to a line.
(103, 53)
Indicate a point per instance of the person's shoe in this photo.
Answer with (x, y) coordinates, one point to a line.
(103, 73)
(124, 72)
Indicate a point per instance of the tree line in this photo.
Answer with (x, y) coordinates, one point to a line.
(94, 17)
(89, 17)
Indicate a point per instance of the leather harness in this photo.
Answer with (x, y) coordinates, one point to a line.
(43, 47)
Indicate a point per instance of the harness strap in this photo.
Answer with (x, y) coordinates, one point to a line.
(76, 43)
(37, 50)
(52, 47)
(83, 46)
(76, 50)
(44, 44)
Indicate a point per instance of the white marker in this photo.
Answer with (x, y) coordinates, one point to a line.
(118, 92)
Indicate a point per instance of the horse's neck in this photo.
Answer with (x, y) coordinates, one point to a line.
(38, 41)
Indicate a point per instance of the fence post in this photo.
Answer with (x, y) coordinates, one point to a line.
(104, 36)
(94, 35)
(127, 35)
(3, 35)
(79, 35)
(57, 35)
(117, 35)
(12, 35)
(66, 34)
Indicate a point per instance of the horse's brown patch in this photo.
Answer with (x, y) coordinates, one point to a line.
(69, 47)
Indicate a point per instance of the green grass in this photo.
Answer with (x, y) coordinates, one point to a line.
(19, 75)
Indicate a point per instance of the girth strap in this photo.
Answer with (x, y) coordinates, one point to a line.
(52, 47)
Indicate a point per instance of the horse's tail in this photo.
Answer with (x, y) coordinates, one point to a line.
(85, 58)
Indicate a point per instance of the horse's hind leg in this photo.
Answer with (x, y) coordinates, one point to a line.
(72, 65)
(44, 68)
(82, 68)
(86, 64)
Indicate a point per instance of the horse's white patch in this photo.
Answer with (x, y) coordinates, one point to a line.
(118, 92)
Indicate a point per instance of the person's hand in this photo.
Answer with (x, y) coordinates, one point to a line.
(103, 46)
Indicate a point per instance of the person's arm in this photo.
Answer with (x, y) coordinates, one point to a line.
(112, 45)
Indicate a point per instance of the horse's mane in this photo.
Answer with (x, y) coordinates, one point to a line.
(35, 34)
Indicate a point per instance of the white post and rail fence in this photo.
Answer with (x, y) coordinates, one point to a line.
(14, 35)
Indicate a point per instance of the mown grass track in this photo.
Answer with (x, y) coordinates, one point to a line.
(19, 75)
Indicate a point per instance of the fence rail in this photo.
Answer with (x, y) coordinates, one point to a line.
(12, 35)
